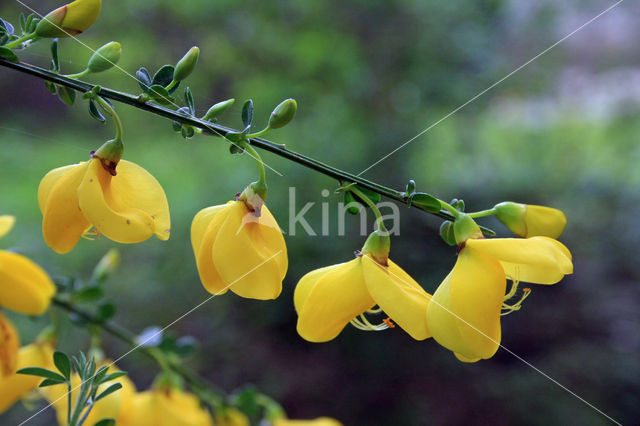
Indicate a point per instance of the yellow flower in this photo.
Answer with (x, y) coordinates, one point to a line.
(231, 416)
(320, 421)
(329, 298)
(24, 286)
(464, 313)
(526, 220)
(9, 344)
(15, 386)
(70, 19)
(166, 407)
(117, 406)
(128, 207)
(237, 250)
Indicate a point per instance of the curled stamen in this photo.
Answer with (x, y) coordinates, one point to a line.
(91, 233)
(374, 310)
(362, 323)
(507, 309)
(389, 322)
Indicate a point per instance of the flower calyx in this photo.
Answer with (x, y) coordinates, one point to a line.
(254, 197)
(378, 245)
(464, 228)
(109, 154)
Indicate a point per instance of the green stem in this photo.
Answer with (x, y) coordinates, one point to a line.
(171, 85)
(449, 208)
(80, 74)
(114, 115)
(17, 42)
(200, 385)
(258, 134)
(218, 130)
(262, 180)
(371, 205)
(483, 213)
(69, 391)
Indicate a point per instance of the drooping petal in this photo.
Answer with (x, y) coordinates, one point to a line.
(464, 313)
(209, 275)
(6, 223)
(200, 223)
(249, 253)
(540, 260)
(63, 222)
(24, 286)
(134, 187)
(398, 295)
(9, 345)
(306, 283)
(49, 181)
(107, 210)
(336, 298)
(14, 387)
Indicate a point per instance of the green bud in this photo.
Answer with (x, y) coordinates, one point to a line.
(465, 227)
(106, 266)
(283, 114)
(218, 109)
(185, 66)
(105, 57)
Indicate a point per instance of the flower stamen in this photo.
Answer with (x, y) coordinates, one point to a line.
(362, 323)
(91, 233)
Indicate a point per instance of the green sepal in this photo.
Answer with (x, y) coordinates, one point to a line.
(424, 201)
(465, 227)
(8, 54)
(447, 234)
(378, 245)
(66, 95)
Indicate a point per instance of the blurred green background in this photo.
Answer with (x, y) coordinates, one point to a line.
(368, 75)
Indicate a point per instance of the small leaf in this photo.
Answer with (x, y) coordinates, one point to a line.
(447, 234)
(425, 202)
(106, 422)
(164, 76)
(186, 346)
(160, 95)
(8, 28)
(349, 201)
(54, 55)
(247, 113)
(62, 363)
(29, 23)
(111, 389)
(176, 126)
(112, 376)
(66, 95)
(95, 112)
(187, 131)
(457, 204)
(487, 231)
(144, 79)
(102, 371)
(23, 23)
(106, 311)
(88, 294)
(236, 149)
(411, 187)
(41, 372)
(235, 136)
(50, 382)
(8, 54)
(50, 87)
(188, 97)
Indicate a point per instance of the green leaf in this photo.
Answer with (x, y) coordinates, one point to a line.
(176, 126)
(235, 136)
(425, 202)
(88, 294)
(7, 27)
(29, 25)
(62, 363)
(247, 113)
(106, 311)
(111, 389)
(186, 346)
(236, 149)
(487, 231)
(102, 371)
(164, 76)
(66, 95)
(446, 232)
(187, 131)
(8, 54)
(50, 382)
(106, 422)
(188, 97)
(411, 187)
(112, 376)
(95, 112)
(23, 23)
(160, 95)
(349, 200)
(41, 372)
(50, 87)
(144, 79)
(54, 55)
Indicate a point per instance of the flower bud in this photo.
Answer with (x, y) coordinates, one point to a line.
(283, 114)
(218, 109)
(185, 66)
(70, 19)
(527, 221)
(465, 227)
(9, 344)
(105, 57)
(107, 266)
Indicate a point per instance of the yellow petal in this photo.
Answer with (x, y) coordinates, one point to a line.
(81, 14)
(209, 275)
(6, 223)
(49, 181)
(63, 222)
(14, 387)
(9, 344)
(540, 260)
(24, 286)
(167, 408)
(320, 421)
(106, 208)
(231, 417)
(200, 223)
(249, 253)
(464, 313)
(398, 295)
(306, 283)
(336, 298)
(544, 221)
